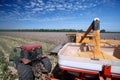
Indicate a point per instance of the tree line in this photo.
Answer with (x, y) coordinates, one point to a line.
(51, 30)
(41, 30)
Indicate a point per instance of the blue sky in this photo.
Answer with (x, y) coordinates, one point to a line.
(59, 14)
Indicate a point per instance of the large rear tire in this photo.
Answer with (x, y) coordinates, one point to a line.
(47, 64)
(25, 72)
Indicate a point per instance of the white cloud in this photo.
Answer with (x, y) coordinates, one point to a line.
(25, 19)
(60, 7)
(83, 0)
(17, 13)
(46, 19)
(8, 5)
(40, 1)
(37, 4)
(37, 9)
(50, 9)
(33, 4)
(52, 5)
(40, 6)
(27, 6)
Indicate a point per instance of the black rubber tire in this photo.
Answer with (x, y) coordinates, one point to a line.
(47, 64)
(91, 77)
(25, 72)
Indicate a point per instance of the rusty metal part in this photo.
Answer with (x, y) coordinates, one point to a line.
(25, 61)
(45, 77)
(38, 69)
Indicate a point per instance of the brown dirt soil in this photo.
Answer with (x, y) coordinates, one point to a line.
(54, 37)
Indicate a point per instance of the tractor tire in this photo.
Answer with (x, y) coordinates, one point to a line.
(25, 72)
(47, 64)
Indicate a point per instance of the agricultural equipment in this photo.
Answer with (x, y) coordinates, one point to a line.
(90, 58)
(30, 61)
(86, 58)
(88, 38)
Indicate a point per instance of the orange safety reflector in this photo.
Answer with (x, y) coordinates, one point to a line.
(107, 70)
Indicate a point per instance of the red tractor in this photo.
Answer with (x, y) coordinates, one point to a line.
(30, 61)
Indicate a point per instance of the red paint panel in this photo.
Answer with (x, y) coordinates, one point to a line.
(30, 46)
(78, 70)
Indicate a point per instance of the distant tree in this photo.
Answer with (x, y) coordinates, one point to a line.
(81, 30)
(103, 31)
(43, 30)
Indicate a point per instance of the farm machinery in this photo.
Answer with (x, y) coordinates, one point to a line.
(30, 61)
(90, 57)
(84, 57)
